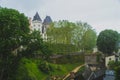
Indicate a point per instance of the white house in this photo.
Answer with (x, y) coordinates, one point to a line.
(108, 59)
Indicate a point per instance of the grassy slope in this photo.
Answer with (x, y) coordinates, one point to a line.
(63, 69)
(28, 70)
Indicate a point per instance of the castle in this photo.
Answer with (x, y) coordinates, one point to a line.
(37, 24)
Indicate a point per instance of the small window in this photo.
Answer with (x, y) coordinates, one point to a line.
(109, 58)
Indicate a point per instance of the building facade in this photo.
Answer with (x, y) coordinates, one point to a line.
(37, 24)
(108, 59)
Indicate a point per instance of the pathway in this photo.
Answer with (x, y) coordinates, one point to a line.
(74, 70)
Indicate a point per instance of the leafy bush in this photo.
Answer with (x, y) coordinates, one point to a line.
(113, 64)
(45, 67)
(116, 67)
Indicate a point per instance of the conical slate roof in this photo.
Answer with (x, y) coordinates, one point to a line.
(37, 17)
(47, 20)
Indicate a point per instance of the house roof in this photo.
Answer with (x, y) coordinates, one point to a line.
(47, 20)
(37, 17)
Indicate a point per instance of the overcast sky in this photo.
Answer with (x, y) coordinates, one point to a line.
(100, 14)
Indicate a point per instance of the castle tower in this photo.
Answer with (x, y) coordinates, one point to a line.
(37, 23)
(46, 24)
(47, 21)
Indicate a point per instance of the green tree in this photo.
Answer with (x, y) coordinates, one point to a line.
(16, 41)
(60, 32)
(13, 27)
(77, 34)
(107, 41)
(89, 40)
(80, 31)
(36, 46)
(60, 35)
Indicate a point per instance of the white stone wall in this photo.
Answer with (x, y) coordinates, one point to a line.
(95, 50)
(109, 58)
(37, 25)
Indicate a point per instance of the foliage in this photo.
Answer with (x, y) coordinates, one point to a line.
(35, 46)
(16, 41)
(45, 67)
(13, 28)
(107, 41)
(78, 34)
(82, 69)
(117, 72)
(79, 73)
(62, 48)
(89, 40)
(34, 42)
(115, 66)
(60, 32)
(28, 70)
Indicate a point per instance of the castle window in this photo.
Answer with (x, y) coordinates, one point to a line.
(109, 58)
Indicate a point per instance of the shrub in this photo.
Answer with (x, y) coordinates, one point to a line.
(45, 67)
